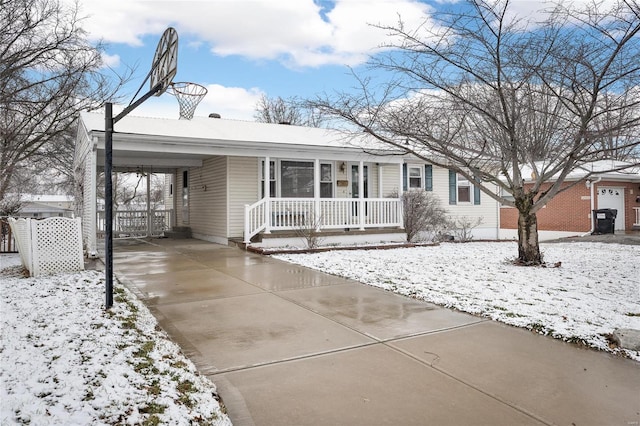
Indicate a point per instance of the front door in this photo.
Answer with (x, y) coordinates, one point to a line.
(613, 198)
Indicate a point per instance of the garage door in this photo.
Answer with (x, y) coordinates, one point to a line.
(612, 198)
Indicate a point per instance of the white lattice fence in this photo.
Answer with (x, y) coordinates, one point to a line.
(21, 231)
(51, 245)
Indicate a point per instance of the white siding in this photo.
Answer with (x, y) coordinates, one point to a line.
(373, 179)
(244, 182)
(487, 210)
(85, 170)
(178, 198)
(390, 179)
(169, 190)
(208, 198)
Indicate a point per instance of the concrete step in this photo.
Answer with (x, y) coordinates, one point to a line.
(178, 232)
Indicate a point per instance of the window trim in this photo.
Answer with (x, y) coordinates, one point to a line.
(276, 177)
(272, 178)
(331, 181)
(465, 184)
(420, 176)
(454, 190)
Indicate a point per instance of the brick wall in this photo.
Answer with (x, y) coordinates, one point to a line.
(571, 210)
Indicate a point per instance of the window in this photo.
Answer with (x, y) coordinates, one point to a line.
(464, 190)
(296, 179)
(415, 177)
(460, 190)
(272, 179)
(326, 181)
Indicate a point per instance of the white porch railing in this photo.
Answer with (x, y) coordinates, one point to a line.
(279, 214)
(137, 223)
(637, 221)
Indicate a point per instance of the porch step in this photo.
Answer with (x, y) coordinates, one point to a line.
(237, 242)
(178, 232)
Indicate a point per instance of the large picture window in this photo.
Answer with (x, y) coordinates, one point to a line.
(296, 179)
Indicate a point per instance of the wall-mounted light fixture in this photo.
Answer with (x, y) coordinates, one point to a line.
(343, 166)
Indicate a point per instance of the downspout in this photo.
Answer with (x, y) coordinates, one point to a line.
(593, 206)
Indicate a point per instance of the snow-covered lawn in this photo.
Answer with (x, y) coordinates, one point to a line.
(595, 290)
(64, 360)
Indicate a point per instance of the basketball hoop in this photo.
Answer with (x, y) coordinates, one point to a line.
(189, 96)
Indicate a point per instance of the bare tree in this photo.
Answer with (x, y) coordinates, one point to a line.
(488, 96)
(286, 111)
(48, 73)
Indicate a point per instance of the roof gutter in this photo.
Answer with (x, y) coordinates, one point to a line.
(591, 184)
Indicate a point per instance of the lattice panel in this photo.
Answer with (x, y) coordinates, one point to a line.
(56, 246)
(20, 229)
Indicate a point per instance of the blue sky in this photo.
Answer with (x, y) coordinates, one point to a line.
(241, 49)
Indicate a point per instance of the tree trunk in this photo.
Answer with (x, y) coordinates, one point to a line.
(528, 246)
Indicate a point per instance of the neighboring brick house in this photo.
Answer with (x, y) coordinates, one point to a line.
(570, 212)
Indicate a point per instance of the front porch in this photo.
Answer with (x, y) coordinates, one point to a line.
(321, 215)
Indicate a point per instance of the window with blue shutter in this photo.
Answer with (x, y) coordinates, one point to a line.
(428, 177)
(476, 195)
(453, 187)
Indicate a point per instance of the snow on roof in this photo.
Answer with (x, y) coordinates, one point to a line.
(33, 207)
(227, 130)
(607, 169)
(46, 198)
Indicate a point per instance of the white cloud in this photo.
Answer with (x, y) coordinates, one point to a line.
(230, 102)
(295, 32)
(112, 61)
(292, 31)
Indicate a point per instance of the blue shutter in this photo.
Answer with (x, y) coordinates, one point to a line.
(428, 177)
(453, 187)
(476, 194)
(404, 177)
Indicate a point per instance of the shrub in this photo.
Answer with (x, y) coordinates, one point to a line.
(422, 214)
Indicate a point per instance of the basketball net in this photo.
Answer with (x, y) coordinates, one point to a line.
(189, 96)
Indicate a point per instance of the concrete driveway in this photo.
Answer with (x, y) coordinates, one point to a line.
(286, 345)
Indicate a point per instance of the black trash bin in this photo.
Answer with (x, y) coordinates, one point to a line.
(604, 221)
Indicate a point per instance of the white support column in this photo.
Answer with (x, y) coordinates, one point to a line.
(267, 194)
(379, 167)
(361, 195)
(400, 208)
(149, 217)
(316, 194)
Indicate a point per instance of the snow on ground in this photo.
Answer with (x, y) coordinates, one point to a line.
(64, 360)
(595, 290)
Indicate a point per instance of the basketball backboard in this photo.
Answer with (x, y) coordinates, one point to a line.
(165, 61)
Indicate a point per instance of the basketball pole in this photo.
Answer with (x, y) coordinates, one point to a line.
(109, 122)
